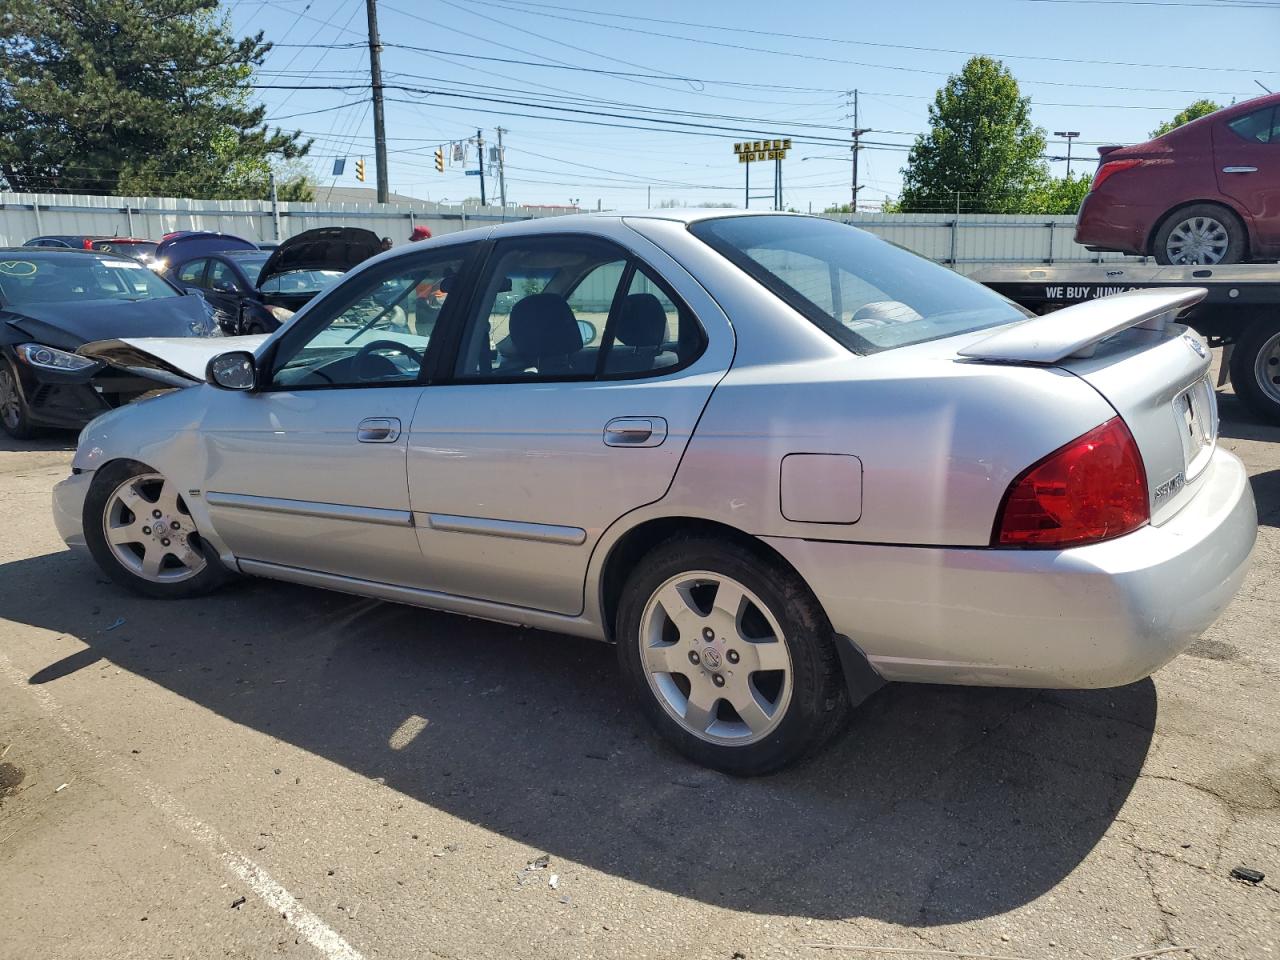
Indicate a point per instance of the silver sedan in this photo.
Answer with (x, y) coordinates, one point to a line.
(778, 461)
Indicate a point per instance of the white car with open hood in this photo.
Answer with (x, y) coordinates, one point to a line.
(775, 459)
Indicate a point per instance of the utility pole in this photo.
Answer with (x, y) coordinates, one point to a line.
(502, 172)
(857, 145)
(1069, 135)
(480, 160)
(379, 120)
(275, 207)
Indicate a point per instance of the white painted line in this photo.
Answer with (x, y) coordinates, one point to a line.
(314, 930)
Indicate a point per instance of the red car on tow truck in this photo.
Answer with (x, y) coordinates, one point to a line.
(1205, 193)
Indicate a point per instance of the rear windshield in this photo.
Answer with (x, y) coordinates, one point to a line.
(299, 282)
(133, 248)
(866, 293)
(55, 279)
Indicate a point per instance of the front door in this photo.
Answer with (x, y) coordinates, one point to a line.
(224, 291)
(576, 383)
(308, 471)
(1247, 157)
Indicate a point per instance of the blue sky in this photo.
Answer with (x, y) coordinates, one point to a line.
(748, 69)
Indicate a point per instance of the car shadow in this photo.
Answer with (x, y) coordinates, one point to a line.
(45, 440)
(940, 804)
(1238, 422)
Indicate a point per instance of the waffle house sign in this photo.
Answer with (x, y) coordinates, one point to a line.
(752, 151)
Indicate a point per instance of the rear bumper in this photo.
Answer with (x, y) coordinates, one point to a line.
(1107, 224)
(1096, 616)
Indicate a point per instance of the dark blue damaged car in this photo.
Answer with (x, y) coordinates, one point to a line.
(53, 301)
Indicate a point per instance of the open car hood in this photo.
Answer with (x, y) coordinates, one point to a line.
(172, 361)
(325, 248)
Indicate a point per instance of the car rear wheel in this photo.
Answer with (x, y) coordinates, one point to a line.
(15, 417)
(142, 535)
(1202, 234)
(731, 657)
(1255, 368)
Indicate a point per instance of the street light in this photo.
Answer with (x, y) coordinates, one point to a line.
(1069, 135)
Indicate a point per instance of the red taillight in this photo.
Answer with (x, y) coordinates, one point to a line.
(1093, 489)
(88, 243)
(1110, 168)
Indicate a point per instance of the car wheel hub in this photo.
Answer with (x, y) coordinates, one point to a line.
(150, 532)
(10, 411)
(1198, 240)
(1266, 368)
(715, 658)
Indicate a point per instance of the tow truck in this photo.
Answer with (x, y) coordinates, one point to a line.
(1241, 312)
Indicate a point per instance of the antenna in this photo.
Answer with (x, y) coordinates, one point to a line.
(1260, 83)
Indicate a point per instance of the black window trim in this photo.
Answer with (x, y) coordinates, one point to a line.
(633, 263)
(269, 361)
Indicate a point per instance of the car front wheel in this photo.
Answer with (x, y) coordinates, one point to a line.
(730, 656)
(140, 532)
(15, 418)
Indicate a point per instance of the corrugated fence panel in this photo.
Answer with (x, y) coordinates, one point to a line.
(965, 242)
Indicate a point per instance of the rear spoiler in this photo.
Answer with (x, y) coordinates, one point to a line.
(1076, 331)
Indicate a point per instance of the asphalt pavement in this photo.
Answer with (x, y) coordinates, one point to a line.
(276, 770)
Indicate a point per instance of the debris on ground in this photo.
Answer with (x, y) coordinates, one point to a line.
(554, 881)
(1247, 874)
(529, 873)
(539, 863)
(120, 622)
(65, 785)
(237, 903)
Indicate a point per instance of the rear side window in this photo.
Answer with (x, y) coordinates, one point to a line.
(1261, 126)
(573, 308)
(865, 293)
(192, 273)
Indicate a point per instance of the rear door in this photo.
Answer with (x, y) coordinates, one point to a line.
(579, 375)
(1247, 162)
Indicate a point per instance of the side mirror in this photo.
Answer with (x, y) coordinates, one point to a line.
(233, 370)
(223, 286)
(587, 330)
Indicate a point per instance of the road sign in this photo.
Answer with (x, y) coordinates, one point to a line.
(473, 173)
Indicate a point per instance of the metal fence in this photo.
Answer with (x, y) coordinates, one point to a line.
(964, 242)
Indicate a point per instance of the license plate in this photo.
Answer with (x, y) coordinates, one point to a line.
(1196, 414)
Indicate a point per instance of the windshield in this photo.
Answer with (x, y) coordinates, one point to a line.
(131, 248)
(867, 294)
(297, 282)
(75, 277)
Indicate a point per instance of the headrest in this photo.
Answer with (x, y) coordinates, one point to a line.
(543, 325)
(642, 322)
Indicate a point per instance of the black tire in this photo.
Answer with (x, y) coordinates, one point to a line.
(1237, 241)
(107, 481)
(15, 415)
(1255, 355)
(818, 706)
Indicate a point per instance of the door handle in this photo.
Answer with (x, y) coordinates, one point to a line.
(635, 432)
(1239, 169)
(378, 430)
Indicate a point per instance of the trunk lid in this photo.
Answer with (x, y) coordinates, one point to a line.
(1154, 373)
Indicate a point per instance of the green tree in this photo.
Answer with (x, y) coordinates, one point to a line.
(135, 97)
(981, 150)
(1194, 111)
(1057, 195)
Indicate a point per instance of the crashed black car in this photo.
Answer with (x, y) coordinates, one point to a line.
(52, 301)
(253, 291)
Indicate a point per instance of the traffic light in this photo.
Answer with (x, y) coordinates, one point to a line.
(360, 169)
(439, 159)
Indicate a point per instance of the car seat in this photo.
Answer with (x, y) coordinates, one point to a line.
(544, 336)
(640, 336)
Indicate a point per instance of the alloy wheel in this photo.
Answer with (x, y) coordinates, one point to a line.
(10, 400)
(1266, 368)
(716, 658)
(1197, 240)
(150, 531)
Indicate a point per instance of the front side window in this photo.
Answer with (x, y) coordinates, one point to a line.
(378, 329)
(1261, 126)
(192, 273)
(865, 293)
(222, 278)
(572, 308)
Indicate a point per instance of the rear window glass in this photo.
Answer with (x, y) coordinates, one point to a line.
(867, 294)
(72, 277)
(300, 281)
(1261, 126)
